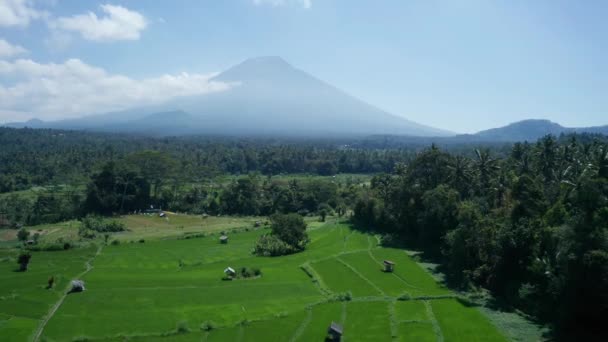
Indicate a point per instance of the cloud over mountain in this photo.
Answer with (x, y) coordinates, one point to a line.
(69, 89)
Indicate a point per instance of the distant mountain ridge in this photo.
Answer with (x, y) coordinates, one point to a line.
(531, 130)
(269, 97)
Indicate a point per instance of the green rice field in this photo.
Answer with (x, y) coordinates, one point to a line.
(169, 288)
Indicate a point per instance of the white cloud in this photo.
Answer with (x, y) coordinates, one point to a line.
(74, 88)
(8, 50)
(117, 23)
(304, 3)
(18, 13)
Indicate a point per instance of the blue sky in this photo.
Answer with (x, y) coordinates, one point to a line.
(457, 65)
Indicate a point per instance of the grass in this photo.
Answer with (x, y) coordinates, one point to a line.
(24, 298)
(340, 278)
(462, 323)
(367, 321)
(411, 310)
(373, 271)
(419, 282)
(322, 316)
(416, 331)
(146, 291)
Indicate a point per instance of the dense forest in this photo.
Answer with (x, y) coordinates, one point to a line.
(527, 221)
(32, 157)
(532, 227)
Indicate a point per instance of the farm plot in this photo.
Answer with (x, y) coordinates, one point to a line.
(356, 241)
(416, 331)
(140, 289)
(24, 297)
(169, 290)
(461, 323)
(340, 278)
(367, 321)
(321, 316)
(278, 329)
(411, 311)
(420, 282)
(373, 271)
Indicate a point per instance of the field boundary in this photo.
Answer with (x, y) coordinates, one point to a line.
(434, 322)
(302, 328)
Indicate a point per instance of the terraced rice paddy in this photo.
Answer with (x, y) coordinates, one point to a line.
(171, 290)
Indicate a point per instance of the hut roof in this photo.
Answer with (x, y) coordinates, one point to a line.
(224, 237)
(388, 262)
(229, 270)
(335, 327)
(77, 285)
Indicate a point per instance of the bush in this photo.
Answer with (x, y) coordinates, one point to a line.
(270, 245)
(23, 260)
(208, 326)
(342, 297)
(288, 236)
(101, 225)
(23, 234)
(182, 327)
(52, 247)
(115, 243)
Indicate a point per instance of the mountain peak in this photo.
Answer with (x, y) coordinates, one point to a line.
(277, 60)
(252, 69)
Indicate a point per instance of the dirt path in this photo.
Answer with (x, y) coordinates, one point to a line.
(52, 311)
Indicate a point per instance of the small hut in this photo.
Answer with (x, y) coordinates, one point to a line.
(334, 332)
(230, 272)
(389, 266)
(77, 286)
(224, 239)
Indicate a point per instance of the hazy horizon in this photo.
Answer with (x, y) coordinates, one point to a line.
(462, 67)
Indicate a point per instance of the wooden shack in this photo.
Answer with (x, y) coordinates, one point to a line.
(224, 239)
(389, 266)
(334, 332)
(230, 272)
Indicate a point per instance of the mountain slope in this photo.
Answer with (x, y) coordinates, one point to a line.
(531, 130)
(268, 97)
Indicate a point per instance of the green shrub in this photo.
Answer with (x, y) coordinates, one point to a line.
(342, 297)
(23, 234)
(182, 327)
(270, 245)
(208, 326)
(101, 225)
(404, 296)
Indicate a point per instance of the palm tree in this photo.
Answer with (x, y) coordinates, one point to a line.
(486, 167)
(546, 157)
(461, 174)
